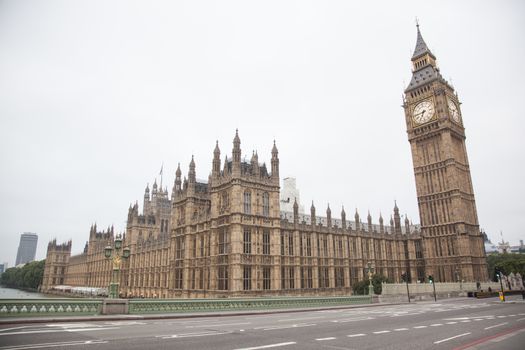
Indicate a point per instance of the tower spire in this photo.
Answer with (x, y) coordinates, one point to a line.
(421, 47)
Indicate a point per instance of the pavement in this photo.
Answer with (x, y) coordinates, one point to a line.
(464, 323)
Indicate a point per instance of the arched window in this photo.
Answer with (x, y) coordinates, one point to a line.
(247, 202)
(266, 204)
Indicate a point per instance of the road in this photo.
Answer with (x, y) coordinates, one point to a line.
(450, 324)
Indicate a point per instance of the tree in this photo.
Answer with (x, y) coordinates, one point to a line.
(29, 276)
(506, 263)
(361, 287)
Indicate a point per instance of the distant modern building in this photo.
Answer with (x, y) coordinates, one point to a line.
(290, 195)
(3, 267)
(26, 248)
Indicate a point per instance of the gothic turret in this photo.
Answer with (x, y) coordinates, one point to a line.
(295, 211)
(343, 217)
(381, 226)
(397, 219)
(275, 163)
(236, 155)
(328, 216)
(356, 218)
(216, 167)
(312, 214)
(369, 221)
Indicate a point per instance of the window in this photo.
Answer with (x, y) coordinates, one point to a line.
(223, 241)
(266, 204)
(282, 244)
(323, 277)
(266, 278)
(202, 245)
(247, 202)
(247, 278)
(308, 246)
(266, 242)
(247, 241)
(339, 277)
(290, 243)
(179, 248)
(419, 253)
(223, 277)
(178, 278)
(306, 277)
(287, 277)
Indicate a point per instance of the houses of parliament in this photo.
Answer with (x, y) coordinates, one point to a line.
(228, 236)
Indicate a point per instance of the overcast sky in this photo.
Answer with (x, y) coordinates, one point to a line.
(96, 95)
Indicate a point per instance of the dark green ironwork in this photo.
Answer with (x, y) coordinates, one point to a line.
(144, 306)
(46, 307)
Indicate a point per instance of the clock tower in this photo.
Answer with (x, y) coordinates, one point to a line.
(453, 246)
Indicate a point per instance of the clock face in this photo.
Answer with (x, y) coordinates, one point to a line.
(453, 110)
(423, 112)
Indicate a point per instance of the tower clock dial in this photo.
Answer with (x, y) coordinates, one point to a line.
(453, 110)
(423, 112)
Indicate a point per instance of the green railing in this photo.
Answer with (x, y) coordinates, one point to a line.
(47, 307)
(144, 306)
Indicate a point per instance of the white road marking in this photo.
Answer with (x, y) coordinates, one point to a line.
(323, 339)
(189, 335)
(353, 319)
(13, 328)
(419, 327)
(300, 319)
(381, 332)
(54, 345)
(501, 316)
(73, 325)
(520, 319)
(125, 323)
(90, 329)
(400, 329)
(58, 330)
(497, 325)
(269, 346)
(356, 335)
(299, 325)
(512, 315)
(436, 324)
(451, 322)
(218, 324)
(465, 321)
(454, 337)
(478, 319)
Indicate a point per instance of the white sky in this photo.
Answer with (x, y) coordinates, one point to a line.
(96, 95)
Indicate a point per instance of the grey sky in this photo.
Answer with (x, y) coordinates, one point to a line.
(96, 95)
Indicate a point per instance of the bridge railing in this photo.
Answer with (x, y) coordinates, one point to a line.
(47, 307)
(143, 306)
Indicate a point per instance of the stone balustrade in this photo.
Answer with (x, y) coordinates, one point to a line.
(425, 288)
(47, 307)
(204, 305)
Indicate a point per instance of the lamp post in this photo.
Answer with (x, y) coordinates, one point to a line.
(370, 286)
(116, 255)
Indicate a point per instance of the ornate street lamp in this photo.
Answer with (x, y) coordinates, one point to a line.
(117, 255)
(370, 286)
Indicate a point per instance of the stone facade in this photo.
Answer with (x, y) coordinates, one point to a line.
(228, 236)
(453, 244)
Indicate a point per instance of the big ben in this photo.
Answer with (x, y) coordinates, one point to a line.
(453, 245)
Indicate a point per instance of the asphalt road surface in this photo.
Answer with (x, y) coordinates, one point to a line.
(449, 324)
